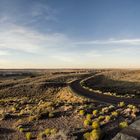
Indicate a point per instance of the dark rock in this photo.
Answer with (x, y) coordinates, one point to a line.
(130, 133)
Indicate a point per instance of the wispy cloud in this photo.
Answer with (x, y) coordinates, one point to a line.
(19, 38)
(37, 35)
(111, 42)
(41, 11)
(59, 50)
(3, 53)
(35, 13)
(4, 19)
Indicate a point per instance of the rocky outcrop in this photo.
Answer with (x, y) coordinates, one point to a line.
(130, 133)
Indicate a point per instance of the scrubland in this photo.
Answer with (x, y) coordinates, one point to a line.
(40, 105)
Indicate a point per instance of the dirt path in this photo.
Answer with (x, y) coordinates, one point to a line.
(79, 90)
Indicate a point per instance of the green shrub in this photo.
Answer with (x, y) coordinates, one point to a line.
(87, 136)
(87, 122)
(123, 124)
(53, 131)
(81, 112)
(130, 106)
(105, 110)
(114, 114)
(18, 123)
(95, 134)
(47, 131)
(13, 109)
(121, 104)
(88, 116)
(95, 112)
(95, 125)
(51, 115)
(100, 118)
(28, 135)
(41, 136)
(111, 107)
(21, 129)
(32, 118)
(107, 118)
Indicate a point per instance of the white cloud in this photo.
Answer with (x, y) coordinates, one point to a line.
(19, 38)
(56, 49)
(2, 53)
(111, 42)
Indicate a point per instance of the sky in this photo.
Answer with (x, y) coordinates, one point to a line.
(69, 34)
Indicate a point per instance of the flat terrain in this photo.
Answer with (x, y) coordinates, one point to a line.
(42, 105)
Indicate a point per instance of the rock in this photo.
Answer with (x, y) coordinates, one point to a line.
(136, 125)
(121, 136)
(130, 133)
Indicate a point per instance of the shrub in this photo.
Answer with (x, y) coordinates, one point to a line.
(32, 118)
(87, 122)
(51, 115)
(105, 110)
(13, 109)
(130, 106)
(95, 125)
(114, 114)
(18, 123)
(95, 134)
(135, 110)
(53, 131)
(22, 112)
(95, 112)
(24, 127)
(123, 124)
(111, 107)
(107, 118)
(47, 131)
(41, 136)
(87, 136)
(100, 118)
(88, 116)
(28, 135)
(121, 104)
(81, 112)
(21, 129)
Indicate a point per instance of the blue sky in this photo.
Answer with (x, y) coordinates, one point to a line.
(69, 34)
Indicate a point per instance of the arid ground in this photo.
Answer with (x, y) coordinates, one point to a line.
(42, 105)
